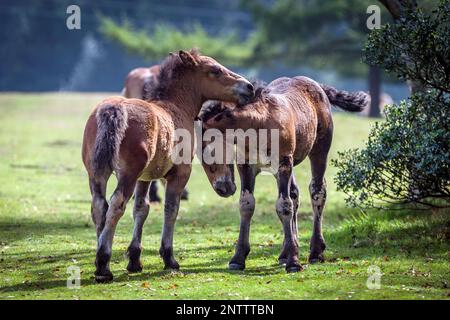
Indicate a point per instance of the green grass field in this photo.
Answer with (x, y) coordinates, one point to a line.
(45, 227)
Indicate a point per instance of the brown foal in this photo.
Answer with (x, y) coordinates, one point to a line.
(136, 139)
(299, 108)
(137, 83)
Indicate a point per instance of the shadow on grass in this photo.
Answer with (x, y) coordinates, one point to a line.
(400, 234)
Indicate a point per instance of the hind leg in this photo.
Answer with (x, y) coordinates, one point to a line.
(140, 213)
(285, 211)
(317, 190)
(99, 205)
(295, 196)
(115, 211)
(318, 193)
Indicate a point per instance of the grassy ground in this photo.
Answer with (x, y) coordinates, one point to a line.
(45, 227)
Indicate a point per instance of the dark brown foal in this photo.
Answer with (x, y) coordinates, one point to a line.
(298, 110)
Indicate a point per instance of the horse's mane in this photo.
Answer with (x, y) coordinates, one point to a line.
(259, 86)
(211, 108)
(170, 70)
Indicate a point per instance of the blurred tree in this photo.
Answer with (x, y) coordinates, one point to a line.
(166, 38)
(322, 34)
(319, 34)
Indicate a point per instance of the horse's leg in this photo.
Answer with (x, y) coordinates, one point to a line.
(247, 207)
(99, 205)
(177, 178)
(295, 196)
(119, 199)
(318, 193)
(140, 213)
(153, 193)
(185, 194)
(285, 211)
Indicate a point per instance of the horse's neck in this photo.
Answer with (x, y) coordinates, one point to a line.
(254, 115)
(185, 104)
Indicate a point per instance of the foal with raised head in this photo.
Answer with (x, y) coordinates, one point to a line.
(138, 82)
(135, 139)
(299, 108)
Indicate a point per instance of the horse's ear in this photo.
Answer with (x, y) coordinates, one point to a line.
(187, 58)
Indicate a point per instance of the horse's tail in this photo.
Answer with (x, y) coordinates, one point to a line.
(112, 122)
(348, 101)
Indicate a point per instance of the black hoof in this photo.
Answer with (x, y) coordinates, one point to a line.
(104, 278)
(134, 267)
(172, 266)
(236, 266)
(313, 259)
(294, 268)
(282, 261)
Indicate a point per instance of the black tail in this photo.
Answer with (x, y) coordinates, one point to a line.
(349, 101)
(111, 125)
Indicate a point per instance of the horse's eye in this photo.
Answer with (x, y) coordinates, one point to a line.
(215, 71)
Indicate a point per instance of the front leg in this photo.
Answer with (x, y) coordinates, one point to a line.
(285, 211)
(176, 181)
(247, 207)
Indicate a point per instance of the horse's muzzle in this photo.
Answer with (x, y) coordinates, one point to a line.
(245, 92)
(224, 189)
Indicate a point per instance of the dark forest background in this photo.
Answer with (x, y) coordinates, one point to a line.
(39, 53)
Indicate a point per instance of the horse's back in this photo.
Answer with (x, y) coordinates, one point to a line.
(136, 80)
(310, 110)
(149, 132)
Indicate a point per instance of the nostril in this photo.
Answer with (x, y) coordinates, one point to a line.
(221, 189)
(250, 87)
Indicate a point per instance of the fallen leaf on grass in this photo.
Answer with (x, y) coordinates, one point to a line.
(173, 286)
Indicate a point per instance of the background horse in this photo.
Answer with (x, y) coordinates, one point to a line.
(136, 139)
(137, 83)
(299, 108)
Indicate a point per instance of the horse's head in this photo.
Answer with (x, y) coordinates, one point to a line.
(214, 81)
(220, 173)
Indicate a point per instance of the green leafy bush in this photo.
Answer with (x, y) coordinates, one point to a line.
(407, 157)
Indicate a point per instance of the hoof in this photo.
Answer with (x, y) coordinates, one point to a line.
(236, 266)
(185, 195)
(282, 261)
(313, 259)
(294, 268)
(172, 266)
(134, 267)
(104, 278)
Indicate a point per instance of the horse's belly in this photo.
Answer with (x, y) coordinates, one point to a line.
(156, 169)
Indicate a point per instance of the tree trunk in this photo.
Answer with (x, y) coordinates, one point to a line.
(375, 91)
